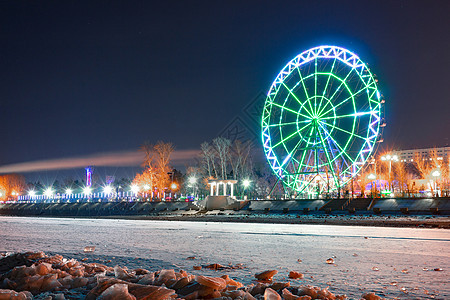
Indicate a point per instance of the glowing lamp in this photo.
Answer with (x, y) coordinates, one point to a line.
(68, 192)
(246, 183)
(87, 190)
(173, 186)
(107, 189)
(134, 188)
(192, 180)
(48, 192)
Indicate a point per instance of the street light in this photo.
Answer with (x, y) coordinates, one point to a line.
(134, 188)
(87, 190)
(48, 192)
(107, 189)
(390, 159)
(69, 191)
(373, 178)
(192, 182)
(246, 184)
(436, 174)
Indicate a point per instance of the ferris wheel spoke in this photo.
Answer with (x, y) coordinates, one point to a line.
(359, 114)
(347, 132)
(290, 136)
(315, 85)
(342, 83)
(296, 98)
(343, 150)
(290, 110)
(321, 113)
(288, 123)
(329, 161)
(326, 87)
(302, 80)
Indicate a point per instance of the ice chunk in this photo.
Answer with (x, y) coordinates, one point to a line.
(89, 249)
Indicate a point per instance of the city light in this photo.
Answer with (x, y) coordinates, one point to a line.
(32, 193)
(68, 192)
(436, 173)
(107, 189)
(87, 190)
(134, 188)
(173, 186)
(246, 183)
(192, 180)
(372, 176)
(48, 192)
(146, 187)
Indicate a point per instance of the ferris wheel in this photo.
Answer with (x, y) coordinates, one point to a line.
(321, 119)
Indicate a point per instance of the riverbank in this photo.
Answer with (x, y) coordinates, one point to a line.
(423, 221)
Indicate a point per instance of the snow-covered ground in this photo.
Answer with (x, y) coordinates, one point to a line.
(392, 262)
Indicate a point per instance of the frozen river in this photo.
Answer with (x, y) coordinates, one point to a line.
(392, 262)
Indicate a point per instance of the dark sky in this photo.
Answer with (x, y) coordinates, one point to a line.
(85, 77)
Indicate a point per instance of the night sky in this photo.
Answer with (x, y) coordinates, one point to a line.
(79, 78)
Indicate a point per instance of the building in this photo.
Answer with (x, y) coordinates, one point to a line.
(408, 155)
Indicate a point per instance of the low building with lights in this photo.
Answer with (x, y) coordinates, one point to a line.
(408, 155)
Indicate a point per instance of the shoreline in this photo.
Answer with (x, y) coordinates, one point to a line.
(391, 220)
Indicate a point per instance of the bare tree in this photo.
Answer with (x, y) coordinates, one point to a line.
(208, 159)
(222, 146)
(11, 185)
(162, 157)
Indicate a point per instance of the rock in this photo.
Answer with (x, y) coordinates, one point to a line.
(147, 279)
(295, 275)
(13, 295)
(123, 274)
(270, 294)
(330, 261)
(238, 294)
(308, 291)
(50, 282)
(79, 282)
(151, 292)
(89, 249)
(371, 296)
(43, 268)
(197, 267)
(287, 295)
(257, 289)
(189, 289)
(216, 283)
(231, 282)
(266, 275)
(180, 283)
(214, 267)
(117, 291)
(164, 276)
(141, 271)
(278, 286)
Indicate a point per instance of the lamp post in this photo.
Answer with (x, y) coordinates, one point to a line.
(436, 174)
(390, 159)
(373, 178)
(246, 184)
(192, 182)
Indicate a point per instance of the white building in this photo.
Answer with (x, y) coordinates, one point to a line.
(408, 155)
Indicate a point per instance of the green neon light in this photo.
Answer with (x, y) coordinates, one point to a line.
(337, 114)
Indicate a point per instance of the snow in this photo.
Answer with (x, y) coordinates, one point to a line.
(154, 245)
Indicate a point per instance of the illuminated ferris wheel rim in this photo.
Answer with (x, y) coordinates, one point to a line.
(349, 59)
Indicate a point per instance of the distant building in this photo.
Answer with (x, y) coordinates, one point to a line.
(408, 155)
